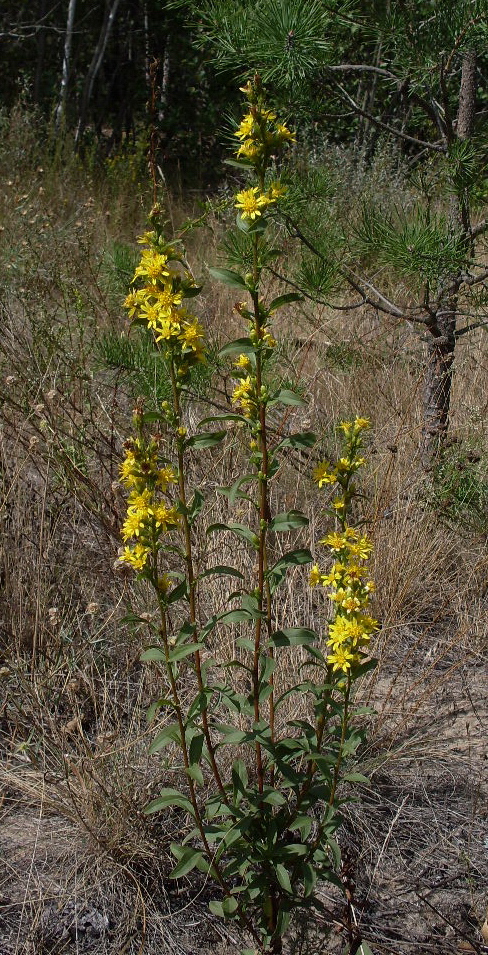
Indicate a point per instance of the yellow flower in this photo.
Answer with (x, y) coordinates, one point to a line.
(362, 548)
(362, 423)
(152, 266)
(336, 541)
(323, 475)
(128, 470)
(131, 303)
(315, 576)
(133, 524)
(250, 202)
(165, 517)
(167, 300)
(139, 501)
(136, 556)
(268, 340)
(167, 328)
(284, 133)
(341, 659)
(334, 576)
(276, 190)
(147, 238)
(166, 476)
(246, 127)
(192, 336)
(242, 362)
(250, 150)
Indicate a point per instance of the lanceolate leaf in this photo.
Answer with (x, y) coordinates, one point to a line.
(188, 859)
(303, 439)
(293, 637)
(287, 397)
(229, 278)
(207, 439)
(292, 559)
(222, 570)
(167, 798)
(239, 529)
(240, 346)
(288, 521)
(284, 300)
(169, 734)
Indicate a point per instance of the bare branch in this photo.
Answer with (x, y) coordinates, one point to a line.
(436, 147)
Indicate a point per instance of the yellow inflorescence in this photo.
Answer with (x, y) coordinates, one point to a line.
(158, 303)
(148, 516)
(260, 135)
(350, 631)
(259, 132)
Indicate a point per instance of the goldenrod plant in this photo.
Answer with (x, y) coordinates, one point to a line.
(263, 792)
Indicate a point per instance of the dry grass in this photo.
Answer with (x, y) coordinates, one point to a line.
(75, 771)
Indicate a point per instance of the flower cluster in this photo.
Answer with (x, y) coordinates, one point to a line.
(350, 630)
(164, 282)
(259, 132)
(251, 202)
(260, 135)
(149, 517)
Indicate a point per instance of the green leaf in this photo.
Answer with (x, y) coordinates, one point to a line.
(224, 417)
(196, 505)
(188, 859)
(303, 439)
(229, 278)
(235, 616)
(216, 908)
(356, 778)
(231, 735)
(153, 653)
(258, 227)
(233, 492)
(283, 878)
(245, 643)
(200, 703)
(309, 876)
(179, 653)
(287, 397)
(195, 773)
(169, 797)
(292, 558)
(284, 300)
(295, 849)
(195, 749)
(274, 798)
(292, 637)
(169, 734)
(222, 570)
(207, 439)
(177, 593)
(240, 778)
(288, 521)
(239, 346)
(238, 164)
(364, 949)
(240, 530)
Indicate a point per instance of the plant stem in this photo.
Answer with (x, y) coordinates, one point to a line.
(190, 574)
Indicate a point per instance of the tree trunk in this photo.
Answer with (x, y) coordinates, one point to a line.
(93, 69)
(60, 113)
(442, 327)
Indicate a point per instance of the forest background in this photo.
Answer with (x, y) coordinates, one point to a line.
(384, 228)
